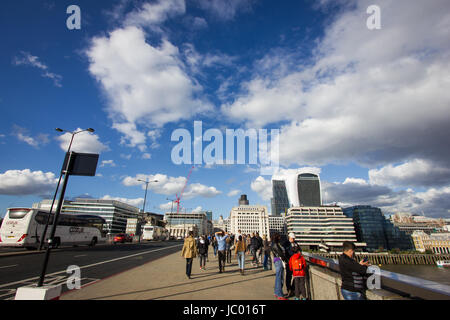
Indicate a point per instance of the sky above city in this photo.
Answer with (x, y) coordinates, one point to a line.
(365, 108)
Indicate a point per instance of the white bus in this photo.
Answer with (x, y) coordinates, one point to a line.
(151, 232)
(23, 227)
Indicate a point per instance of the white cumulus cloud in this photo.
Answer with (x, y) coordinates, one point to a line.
(26, 182)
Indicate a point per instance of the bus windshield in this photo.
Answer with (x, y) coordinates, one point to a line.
(18, 214)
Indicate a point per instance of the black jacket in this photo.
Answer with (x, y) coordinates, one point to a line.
(254, 243)
(352, 274)
(278, 251)
(289, 247)
(202, 248)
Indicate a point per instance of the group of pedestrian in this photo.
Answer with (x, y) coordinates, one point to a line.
(289, 263)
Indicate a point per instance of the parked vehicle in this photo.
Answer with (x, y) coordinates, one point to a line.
(151, 232)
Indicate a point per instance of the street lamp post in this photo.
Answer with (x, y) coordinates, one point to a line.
(146, 187)
(66, 173)
(44, 233)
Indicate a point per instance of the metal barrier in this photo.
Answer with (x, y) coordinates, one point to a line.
(403, 285)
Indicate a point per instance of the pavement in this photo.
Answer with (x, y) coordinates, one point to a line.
(165, 279)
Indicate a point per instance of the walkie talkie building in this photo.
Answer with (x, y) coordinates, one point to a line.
(308, 187)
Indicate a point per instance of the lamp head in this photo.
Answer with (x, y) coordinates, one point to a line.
(90, 130)
(59, 130)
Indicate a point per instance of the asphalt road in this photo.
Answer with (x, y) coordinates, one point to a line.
(95, 263)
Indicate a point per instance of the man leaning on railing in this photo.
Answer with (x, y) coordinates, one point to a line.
(352, 273)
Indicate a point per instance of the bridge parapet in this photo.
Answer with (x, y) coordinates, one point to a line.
(325, 283)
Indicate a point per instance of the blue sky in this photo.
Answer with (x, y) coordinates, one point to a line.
(366, 109)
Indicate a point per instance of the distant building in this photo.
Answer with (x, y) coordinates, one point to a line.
(280, 200)
(376, 231)
(114, 212)
(219, 225)
(308, 188)
(277, 225)
(249, 219)
(437, 242)
(243, 200)
(184, 222)
(409, 223)
(209, 215)
(321, 226)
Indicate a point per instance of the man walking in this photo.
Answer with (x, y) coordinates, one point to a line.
(221, 238)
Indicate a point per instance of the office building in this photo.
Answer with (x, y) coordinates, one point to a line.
(184, 222)
(243, 200)
(249, 219)
(436, 242)
(280, 200)
(376, 231)
(409, 223)
(308, 188)
(277, 225)
(114, 212)
(321, 226)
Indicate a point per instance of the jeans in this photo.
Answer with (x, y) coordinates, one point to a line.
(188, 266)
(241, 259)
(203, 259)
(279, 277)
(215, 251)
(222, 256)
(266, 259)
(254, 252)
(228, 256)
(350, 295)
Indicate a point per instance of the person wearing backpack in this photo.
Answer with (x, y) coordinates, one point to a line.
(259, 249)
(297, 265)
(189, 252)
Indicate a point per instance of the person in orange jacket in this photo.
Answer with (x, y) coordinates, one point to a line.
(297, 264)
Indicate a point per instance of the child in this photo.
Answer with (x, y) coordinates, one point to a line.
(297, 264)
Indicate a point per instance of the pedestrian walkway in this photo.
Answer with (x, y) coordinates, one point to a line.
(165, 279)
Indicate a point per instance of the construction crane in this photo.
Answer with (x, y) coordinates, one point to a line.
(182, 191)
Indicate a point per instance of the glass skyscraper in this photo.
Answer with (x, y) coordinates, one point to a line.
(308, 187)
(373, 228)
(280, 200)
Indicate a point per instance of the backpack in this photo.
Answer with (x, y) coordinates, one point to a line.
(297, 264)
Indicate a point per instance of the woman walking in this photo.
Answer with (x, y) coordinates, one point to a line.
(279, 260)
(203, 251)
(189, 252)
(240, 249)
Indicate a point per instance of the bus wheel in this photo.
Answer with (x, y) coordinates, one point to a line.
(93, 242)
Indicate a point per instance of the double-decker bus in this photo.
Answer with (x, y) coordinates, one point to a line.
(23, 227)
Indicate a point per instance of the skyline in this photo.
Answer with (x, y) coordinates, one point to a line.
(367, 110)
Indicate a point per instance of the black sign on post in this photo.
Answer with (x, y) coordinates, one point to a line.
(82, 164)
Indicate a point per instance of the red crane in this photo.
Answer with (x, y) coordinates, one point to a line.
(182, 191)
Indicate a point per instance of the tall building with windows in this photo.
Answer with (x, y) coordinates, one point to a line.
(324, 225)
(277, 225)
(373, 228)
(280, 200)
(199, 219)
(308, 188)
(115, 213)
(249, 219)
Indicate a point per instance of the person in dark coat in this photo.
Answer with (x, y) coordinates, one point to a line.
(202, 247)
(352, 273)
(289, 247)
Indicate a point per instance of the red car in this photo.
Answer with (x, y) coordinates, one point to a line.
(122, 238)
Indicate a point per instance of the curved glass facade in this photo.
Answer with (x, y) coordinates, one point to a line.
(308, 187)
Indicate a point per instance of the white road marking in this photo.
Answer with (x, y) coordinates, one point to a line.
(88, 266)
(9, 266)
